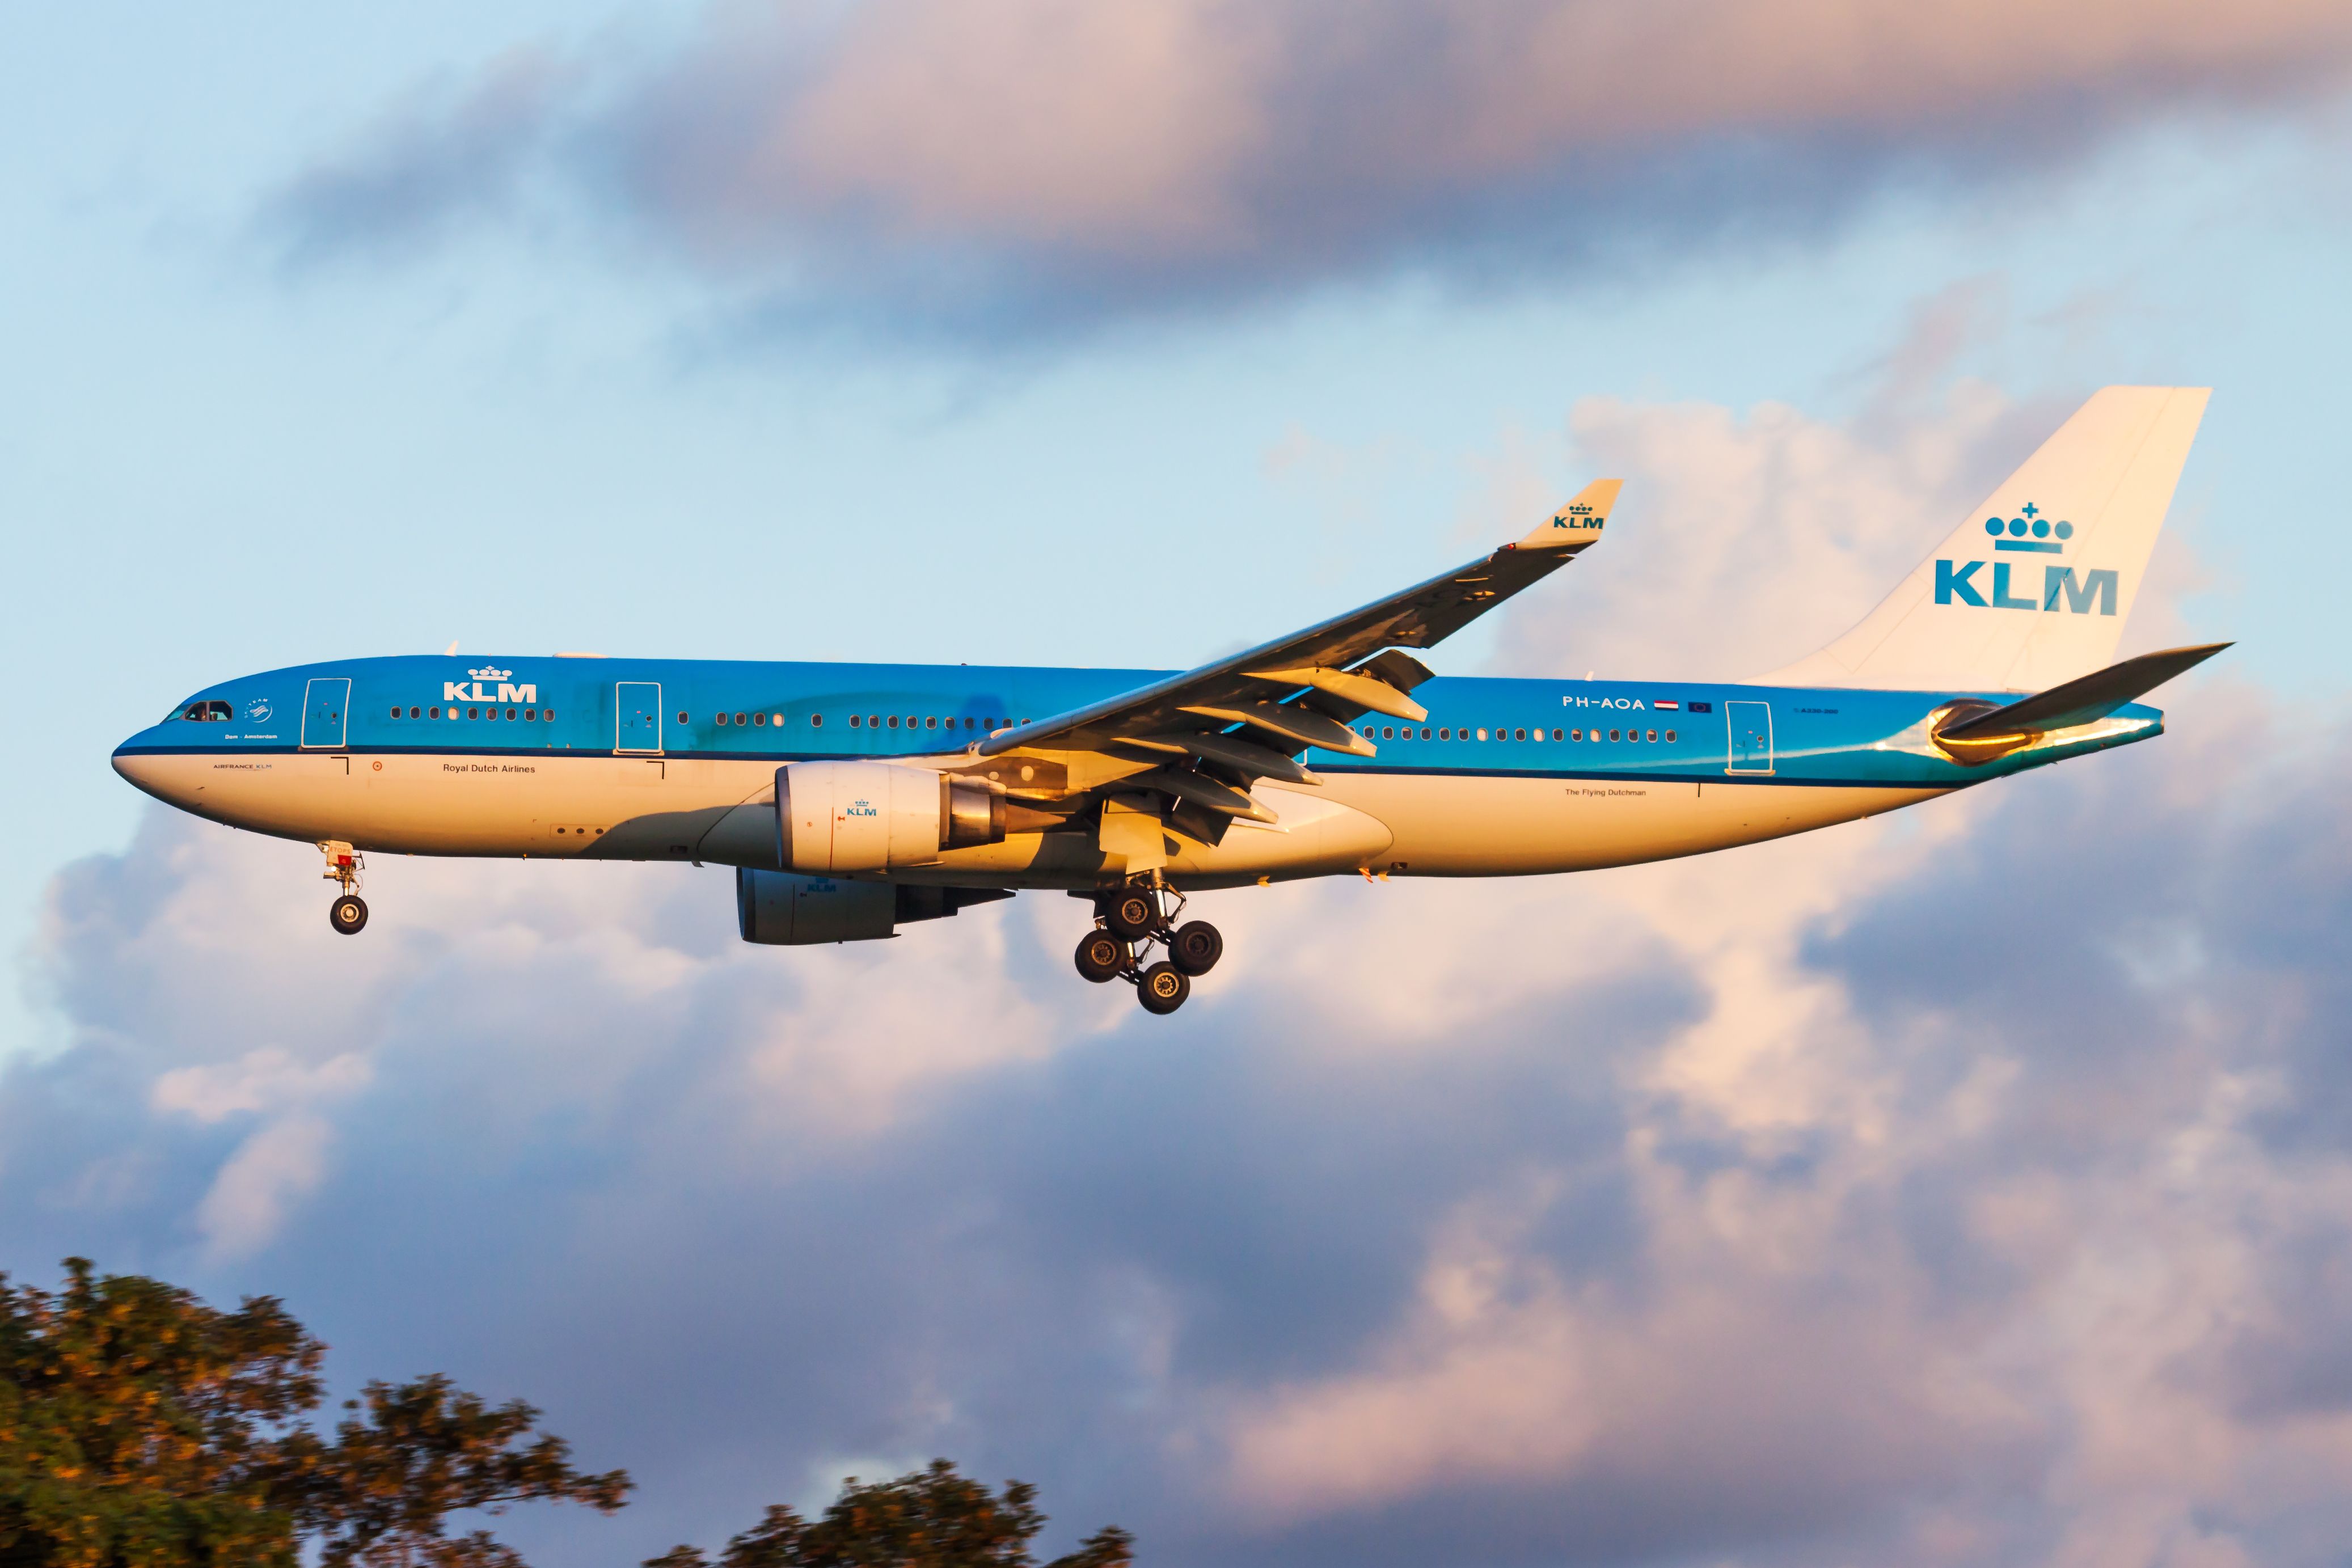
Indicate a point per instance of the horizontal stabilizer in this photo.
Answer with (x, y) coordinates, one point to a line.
(2080, 701)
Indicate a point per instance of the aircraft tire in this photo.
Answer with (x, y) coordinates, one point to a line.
(1196, 947)
(1163, 988)
(1101, 956)
(1131, 914)
(348, 914)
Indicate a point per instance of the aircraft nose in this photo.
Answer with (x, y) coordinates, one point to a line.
(141, 768)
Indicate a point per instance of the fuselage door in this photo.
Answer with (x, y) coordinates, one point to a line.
(1752, 737)
(639, 706)
(325, 702)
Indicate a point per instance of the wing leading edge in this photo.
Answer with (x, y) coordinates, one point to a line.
(1301, 690)
(1188, 749)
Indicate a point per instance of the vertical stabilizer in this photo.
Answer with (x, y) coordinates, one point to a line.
(2033, 588)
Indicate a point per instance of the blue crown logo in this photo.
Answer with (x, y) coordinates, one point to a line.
(489, 673)
(2011, 534)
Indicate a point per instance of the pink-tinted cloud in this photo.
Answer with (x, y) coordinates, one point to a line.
(1056, 157)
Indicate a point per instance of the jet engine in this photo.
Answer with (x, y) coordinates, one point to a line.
(873, 816)
(779, 909)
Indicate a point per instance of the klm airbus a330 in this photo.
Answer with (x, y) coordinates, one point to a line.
(853, 799)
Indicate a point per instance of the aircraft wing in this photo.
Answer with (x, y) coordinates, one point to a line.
(1249, 716)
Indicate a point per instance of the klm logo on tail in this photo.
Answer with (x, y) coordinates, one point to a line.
(2030, 533)
(1577, 516)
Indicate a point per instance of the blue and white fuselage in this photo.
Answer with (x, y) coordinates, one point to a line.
(418, 755)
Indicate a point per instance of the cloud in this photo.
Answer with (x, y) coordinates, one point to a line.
(246, 1204)
(1967, 1186)
(1043, 163)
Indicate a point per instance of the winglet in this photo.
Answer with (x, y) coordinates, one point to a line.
(1579, 523)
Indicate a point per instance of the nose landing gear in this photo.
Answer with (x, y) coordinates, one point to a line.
(1129, 921)
(349, 913)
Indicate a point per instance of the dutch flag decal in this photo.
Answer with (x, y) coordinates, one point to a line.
(1664, 705)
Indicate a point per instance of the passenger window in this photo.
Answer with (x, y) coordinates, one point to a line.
(531, 714)
(722, 721)
(1576, 735)
(1670, 738)
(1654, 737)
(853, 721)
(894, 721)
(511, 713)
(739, 718)
(758, 719)
(1555, 735)
(932, 722)
(433, 713)
(681, 718)
(816, 721)
(395, 712)
(1518, 734)
(1482, 734)
(546, 715)
(1612, 735)
(416, 713)
(1443, 734)
(473, 713)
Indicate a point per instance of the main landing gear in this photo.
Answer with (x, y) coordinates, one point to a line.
(348, 915)
(1128, 923)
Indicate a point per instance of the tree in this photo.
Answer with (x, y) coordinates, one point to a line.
(143, 1429)
(930, 1518)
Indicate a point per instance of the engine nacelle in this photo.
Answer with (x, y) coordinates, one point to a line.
(781, 909)
(873, 816)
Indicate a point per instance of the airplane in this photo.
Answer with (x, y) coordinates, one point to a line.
(852, 799)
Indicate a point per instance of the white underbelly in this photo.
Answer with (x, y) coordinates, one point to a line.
(624, 808)
(631, 807)
(1454, 826)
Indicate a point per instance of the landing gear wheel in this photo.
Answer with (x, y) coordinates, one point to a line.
(1196, 947)
(1132, 913)
(1163, 988)
(348, 914)
(1101, 956)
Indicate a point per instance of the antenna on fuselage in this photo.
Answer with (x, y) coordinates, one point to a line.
(450, 652)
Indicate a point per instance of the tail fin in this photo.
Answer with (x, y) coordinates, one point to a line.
(2033, 588)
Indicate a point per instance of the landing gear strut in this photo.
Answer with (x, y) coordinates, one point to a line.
(349, 913)
(1128, 923)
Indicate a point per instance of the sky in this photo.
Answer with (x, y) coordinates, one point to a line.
(1966, 1187)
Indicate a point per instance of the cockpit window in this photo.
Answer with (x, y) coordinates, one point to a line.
(206, 713)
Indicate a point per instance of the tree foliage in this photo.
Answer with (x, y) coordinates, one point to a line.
(143, 1429)
(930, 1518)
